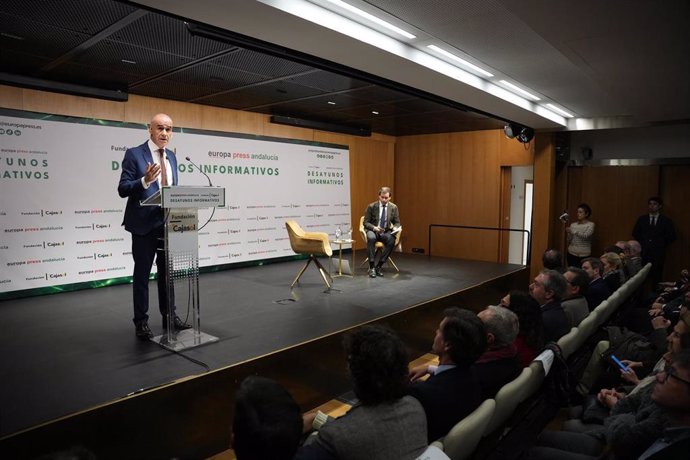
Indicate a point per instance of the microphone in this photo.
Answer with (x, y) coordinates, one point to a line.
(564, 217)
(200, 170)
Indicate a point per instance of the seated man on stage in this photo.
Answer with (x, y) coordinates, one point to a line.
(381, 220)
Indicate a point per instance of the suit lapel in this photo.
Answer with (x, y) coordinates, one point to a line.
(148, 159)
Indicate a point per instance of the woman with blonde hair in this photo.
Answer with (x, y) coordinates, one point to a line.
(613, 273)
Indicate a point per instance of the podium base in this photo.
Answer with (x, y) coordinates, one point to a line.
(183, 340)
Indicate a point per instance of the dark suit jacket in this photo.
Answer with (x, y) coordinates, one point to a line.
(654, 239)
(371, 216)
(556, 323)
(492, 375)
(597, 292)
(138, 219)
(447, 398)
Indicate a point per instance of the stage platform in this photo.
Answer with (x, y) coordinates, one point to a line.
(72, 369)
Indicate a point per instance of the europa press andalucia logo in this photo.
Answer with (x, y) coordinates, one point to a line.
(10, 132)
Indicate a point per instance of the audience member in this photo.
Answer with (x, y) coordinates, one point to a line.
(648, 350)
(655, 233)
(579, 235)
(267, 423)
(612, 270)
(653, 423)
(530, 339)
(499, 364)
(452, 391)
(598, 290)
(574, 303)
(672, 393)
(636, 374)
(552, 260)
(633, 260)
(386, 423)
(548, 289)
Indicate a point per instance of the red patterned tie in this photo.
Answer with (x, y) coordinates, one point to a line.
(164, 170)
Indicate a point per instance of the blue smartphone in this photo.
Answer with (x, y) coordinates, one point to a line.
(620, 364)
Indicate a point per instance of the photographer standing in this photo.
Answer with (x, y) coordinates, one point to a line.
(580, 236)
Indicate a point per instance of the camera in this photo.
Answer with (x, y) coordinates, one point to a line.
(564, 217)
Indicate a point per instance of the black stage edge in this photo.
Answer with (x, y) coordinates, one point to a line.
(73, 372)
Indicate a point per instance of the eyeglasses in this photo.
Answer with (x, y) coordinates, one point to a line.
(670, 371)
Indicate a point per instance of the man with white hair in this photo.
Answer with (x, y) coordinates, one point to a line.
(500, 363)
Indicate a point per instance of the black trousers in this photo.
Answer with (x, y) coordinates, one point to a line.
(146, 248)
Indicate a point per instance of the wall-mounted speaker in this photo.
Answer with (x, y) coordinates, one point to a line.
(520, 133)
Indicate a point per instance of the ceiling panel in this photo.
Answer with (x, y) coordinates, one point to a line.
(111, 45)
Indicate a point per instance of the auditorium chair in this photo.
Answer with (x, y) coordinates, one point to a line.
(569, 342)
(463, 438)
(312, 244)
(507, 400)
(379, 245)
(603, 312)
(536, 378)
(587, 327)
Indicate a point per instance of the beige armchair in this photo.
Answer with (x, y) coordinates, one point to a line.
(379, 245)
(310, 243)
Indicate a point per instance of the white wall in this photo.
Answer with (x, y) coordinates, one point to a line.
(519, 175)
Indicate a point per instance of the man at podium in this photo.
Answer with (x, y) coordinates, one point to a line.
(145, 169)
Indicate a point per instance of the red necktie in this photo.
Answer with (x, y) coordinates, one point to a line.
(164, 170)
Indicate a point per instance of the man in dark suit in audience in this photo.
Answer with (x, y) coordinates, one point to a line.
(552, 259)
(452, 391)
(672, 393)
(500, 363)
(548, 289)
(655, 232)
(267, 422)
(575, 303)
(598, 290)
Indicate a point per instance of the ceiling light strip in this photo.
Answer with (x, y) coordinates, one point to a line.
(520, 90)
(560, 111)
(371, 18)
(460, 60)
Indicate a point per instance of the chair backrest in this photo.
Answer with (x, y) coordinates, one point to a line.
(603, 312)
(302, 242)
(588, 326)
(463, 438)
(568, 342)
(536, 378)
(362, 231)
(507, 399)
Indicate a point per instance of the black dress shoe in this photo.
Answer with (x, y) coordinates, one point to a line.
(378, 271)
(143, 331)
(178, 324)
(372, 273)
